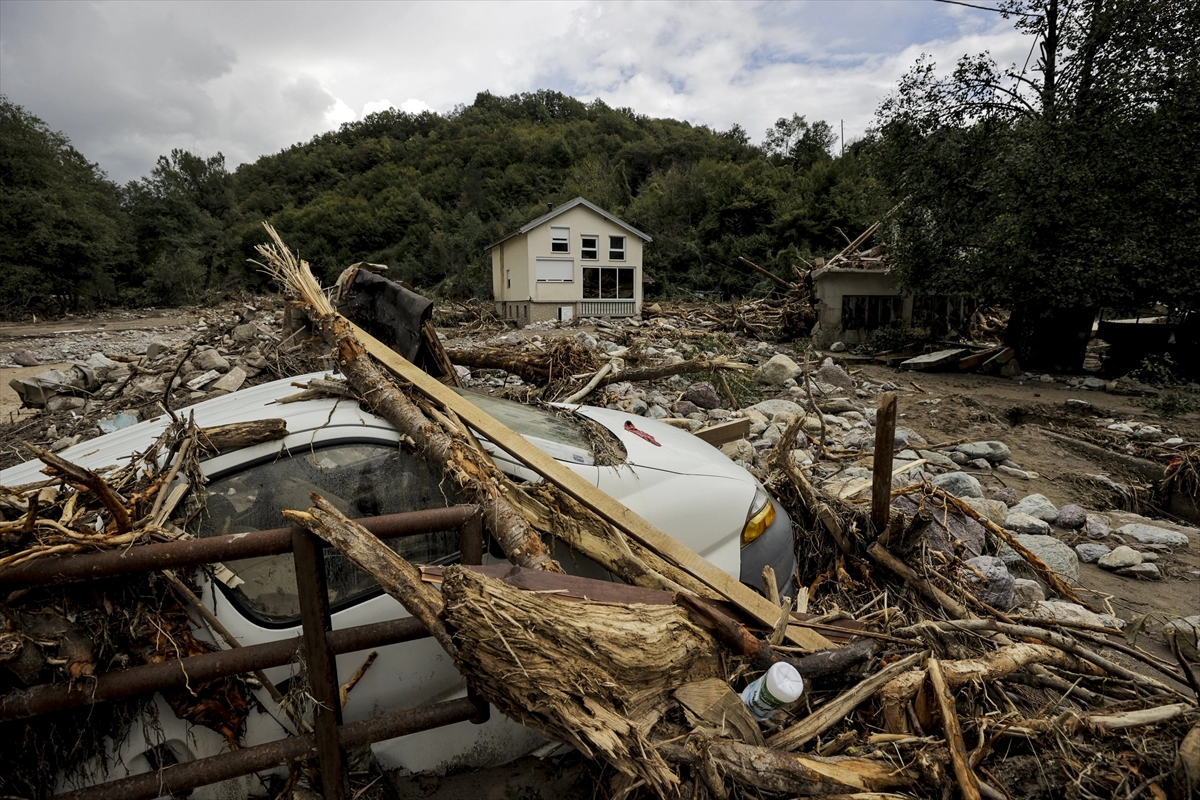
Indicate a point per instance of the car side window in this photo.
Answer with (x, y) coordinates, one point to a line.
(361, 480)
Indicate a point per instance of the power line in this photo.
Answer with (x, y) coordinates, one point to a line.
(989, 8)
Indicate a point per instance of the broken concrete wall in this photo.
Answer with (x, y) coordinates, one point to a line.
(832, 285)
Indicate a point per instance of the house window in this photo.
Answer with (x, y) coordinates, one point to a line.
(560, 240)
(608, 283)
(616, 248)
(555, 270)
(589, 247)
(508, 278)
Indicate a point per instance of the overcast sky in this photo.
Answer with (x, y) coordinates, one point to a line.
(129, 81)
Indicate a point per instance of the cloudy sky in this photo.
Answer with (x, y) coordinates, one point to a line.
(129, 81)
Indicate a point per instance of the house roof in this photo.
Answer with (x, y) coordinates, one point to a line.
(565, 207)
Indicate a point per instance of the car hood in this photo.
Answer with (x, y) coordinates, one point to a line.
(677, 451)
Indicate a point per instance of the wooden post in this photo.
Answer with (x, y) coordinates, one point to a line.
(881, 483)
(309, 555)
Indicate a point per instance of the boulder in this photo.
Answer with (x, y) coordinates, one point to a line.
(1090, 552)
(1071, 517)
(837, 347)
(769, 408)
(156, 348)
(1120, 558)
(1062, 611)
(1036, 505)
(1026, 592)
(937, 459)
(741, 450)
(658, 412)
(209, 359)
(944, 529)
(830, 373)
(907, 437)
(959, 484)
(1151, 534)
(1096, 526)
(1006, 495)
(64, 402)
(993, 510)
(1143, 571)
(995, 452)
(981, 464)
(995, 587)
(25, 358)
(779, 369)
(1053, 553)
(1023, 523)
(703, 394)
(685, 407)
(244, 333)
(837, 405)
(754, 415)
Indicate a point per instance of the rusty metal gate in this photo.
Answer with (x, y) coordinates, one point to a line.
(318, 645)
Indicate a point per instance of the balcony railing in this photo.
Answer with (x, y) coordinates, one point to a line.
(607, 308)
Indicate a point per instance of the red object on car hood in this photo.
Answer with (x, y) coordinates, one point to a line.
(629, 426)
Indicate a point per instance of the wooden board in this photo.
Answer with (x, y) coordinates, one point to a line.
(999, 359)
(731, 431)
(585, 493)
(941, 358)
(974, 360)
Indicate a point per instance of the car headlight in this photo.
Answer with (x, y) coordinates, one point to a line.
(762, 514)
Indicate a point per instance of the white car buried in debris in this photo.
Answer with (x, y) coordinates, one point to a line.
(353, 458)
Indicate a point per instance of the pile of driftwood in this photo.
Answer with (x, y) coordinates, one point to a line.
(70, 633)
(918, 688)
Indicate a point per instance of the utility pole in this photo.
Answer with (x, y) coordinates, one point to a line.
(843, 136)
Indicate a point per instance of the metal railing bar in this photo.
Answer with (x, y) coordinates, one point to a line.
(180, 778)
(194, 552)
(49, 697)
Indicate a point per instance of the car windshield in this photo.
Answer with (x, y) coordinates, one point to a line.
(535, 423)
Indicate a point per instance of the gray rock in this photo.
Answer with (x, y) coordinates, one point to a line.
(1023, 523)
(634, 405)
(958, 458)
(1006, 495)
(1013, 472)
(1120, 557)
(1036, 505)
(754, 415)
(244, 333)
(64, 402)
(741, 450)
(210, 359)
(769, 408)
(946, 529)
(1144, 571)
(996, 586)
(837, 405)
(757, 427)
(906, 437)
(959, 484)
(1027, 592)
(778, 370)
(937, 459)
(63, 443)
(1090, 552)
(1071, 517)
(772, 434)
(685, 407)
(1097, 526)
(1062, 611)
(156, 348)
(993, 510)
(203, 379)
(981, 464)
(802, 457)
(658, 412)
(703, 394)
(837, 347)
(25, 358)
(1151, 534)
(834, 375)
(1187, 635)
(994, 452)
(102, 364)
(1053, 553)
(586, 339)
(229, 382)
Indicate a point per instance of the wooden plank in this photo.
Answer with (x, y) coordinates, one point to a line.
(580, 489)
(731, 431)
(974, 360)
(998, 360)
(941, 358)
(881, 485)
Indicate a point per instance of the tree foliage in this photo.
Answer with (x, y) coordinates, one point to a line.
(1060, 189)
(62, 234)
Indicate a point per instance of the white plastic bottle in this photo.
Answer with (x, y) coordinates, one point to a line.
(777, 687)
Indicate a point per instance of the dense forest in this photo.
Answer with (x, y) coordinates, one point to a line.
(424, 194)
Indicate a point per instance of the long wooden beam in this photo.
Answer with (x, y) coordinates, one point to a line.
(588, 495)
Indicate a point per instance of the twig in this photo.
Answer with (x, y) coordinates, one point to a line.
(590, 385)
(968, 784)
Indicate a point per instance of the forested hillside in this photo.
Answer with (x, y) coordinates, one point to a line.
(427, 193)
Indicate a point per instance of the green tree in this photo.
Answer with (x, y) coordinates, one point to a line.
(794, 141)
(63, 236)
(1060, 189)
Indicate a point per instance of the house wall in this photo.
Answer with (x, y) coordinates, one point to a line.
(545, 297)
(831, 285)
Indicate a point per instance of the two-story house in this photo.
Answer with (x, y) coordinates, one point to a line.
(574, 260)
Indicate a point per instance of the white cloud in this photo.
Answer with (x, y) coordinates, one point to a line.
(128, 81)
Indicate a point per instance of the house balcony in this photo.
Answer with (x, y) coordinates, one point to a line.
(607, 308)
